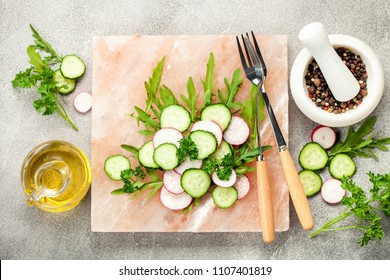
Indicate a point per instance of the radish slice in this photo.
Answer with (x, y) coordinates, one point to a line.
(174, 201)
(242, 186)
(187, 164)
(83, 102)
(167, 135)
(332, 192)
(237, 131)
(323, 135)
(224, 183)
(172, 182)
(210, 126)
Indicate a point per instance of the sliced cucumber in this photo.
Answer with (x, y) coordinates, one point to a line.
(65, 85)
(313, 156)
(205, 142)
(311, 182)
(114, 165)
(223, 150)
(218, 113)
(165, 156)
(72, 67)
(342, 165)
(195, 182)
(224, 197)
(145, 155)
(175, 116)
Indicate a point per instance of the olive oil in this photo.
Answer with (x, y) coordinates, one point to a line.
(55, 176)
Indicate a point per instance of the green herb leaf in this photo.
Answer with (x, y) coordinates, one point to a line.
(208, 166)
(190, 100)
(225, 168)
(187, 148)
(361, 142)
(146, 118)
(35, 59)
(208, 83)
(232, 88)
(25, 79)
(130, 149)
(167, 96)
(42, 44)
(153, 85)
(357, 204)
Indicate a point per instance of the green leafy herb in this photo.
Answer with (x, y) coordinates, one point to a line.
(225, 168)
(167, 96)
(361, 142)
(153, 85)
(187, 148)
(130, 149)
(40, 76)
(231, 90)
(208, 83)
(151, 125)
(190, 100)
(208, 166)
(367, 214)
(130, 178)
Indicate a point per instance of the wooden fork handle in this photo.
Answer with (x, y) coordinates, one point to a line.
(297, 193)
(265, 202)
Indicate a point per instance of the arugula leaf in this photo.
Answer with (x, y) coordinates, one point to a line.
(167, 96)
(367, 215)
(35, 59)
(187, 148)
(190, 101)
(130, 149)
(361, 142)
(153, 85)
(208, 83)
(232, 89)
(151, 124)
(42, 44)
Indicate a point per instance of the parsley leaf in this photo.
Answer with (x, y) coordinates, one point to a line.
(367, 215)
(225, 168)
(187, 148)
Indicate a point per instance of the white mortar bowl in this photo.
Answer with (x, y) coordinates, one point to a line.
(375, 83)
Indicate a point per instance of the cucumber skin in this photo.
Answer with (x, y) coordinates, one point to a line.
(84, 66)
(303, 149)
(105, 166)
(178, 105)
(215, 104)
(312, 174)
(331, 171)
(185, 189)
(217, 203)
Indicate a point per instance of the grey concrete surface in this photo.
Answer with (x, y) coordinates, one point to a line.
(28, 233)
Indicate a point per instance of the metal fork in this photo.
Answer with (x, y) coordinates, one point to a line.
(256, 76)
(295, 187)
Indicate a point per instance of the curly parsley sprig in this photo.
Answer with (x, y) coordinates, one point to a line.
(366, 210)
(40, 76)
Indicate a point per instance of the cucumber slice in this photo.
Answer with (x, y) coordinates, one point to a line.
(218, 113)
(224, 197)
(145, 155)
(72, 67)
(342, 165)
(205, 142)
(311, 182)
(313, 156)
(65, 85)
(165, 156)
(195, 182)
(175, 116)
(114, 165)
(223, 150)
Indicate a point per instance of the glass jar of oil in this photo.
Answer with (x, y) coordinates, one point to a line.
(55, 176)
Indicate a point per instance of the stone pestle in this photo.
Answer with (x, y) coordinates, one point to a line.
(340, 80)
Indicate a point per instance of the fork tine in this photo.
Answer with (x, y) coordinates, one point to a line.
(246, 50)
(243, 61)
(252, 53)
(259, 53)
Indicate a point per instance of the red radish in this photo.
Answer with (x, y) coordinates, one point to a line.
(332, 192)
(323, 135)
(242, 186)
(224, 183)
(172, 182)
(237, 132)
(83, 102)
(210, 126)
(167, 135)
(174, 201)
(187, 164)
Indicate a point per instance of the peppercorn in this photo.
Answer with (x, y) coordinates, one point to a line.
(318, 89)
